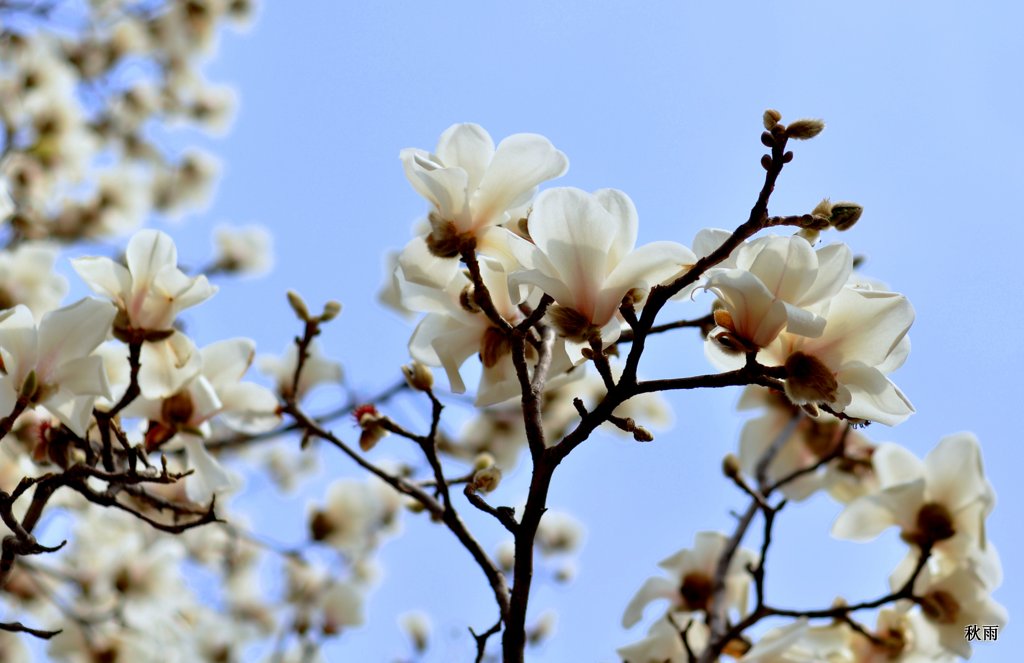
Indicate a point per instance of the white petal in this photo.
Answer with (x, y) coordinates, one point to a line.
(105, 277)
(651, 590)
(521, 162)
(74, 331)
(621, 208)
(873, 396)
(148, 252)
(209, 476)
(469, 147)
(786, 265)
(167, 365)
(835, 263)
(225, 362)
(895, 464)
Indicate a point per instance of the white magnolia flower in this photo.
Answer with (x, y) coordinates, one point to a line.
(664, 640)
(247, 249)
(151, 290)
(473, 186)
(583, 256)
(811, 440)
(27, 277)
(846, 367)
(356, 515)
(55, 358)
(954, 602)
(939, 505)
(216, 391)
(772, 287)
(941, 502)
(690, 584)
(149, 293)
(317, 370)
(454, 329)
(801, 643)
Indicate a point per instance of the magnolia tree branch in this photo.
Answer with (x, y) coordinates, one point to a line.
(545, 462)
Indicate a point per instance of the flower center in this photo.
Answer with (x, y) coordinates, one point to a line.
(696, 590)
(940, 606)
(934, 524)
(809, 380)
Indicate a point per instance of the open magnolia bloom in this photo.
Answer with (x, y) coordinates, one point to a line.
(216, 391)
(865, 338)
(52, 364)
(583, 256)
(691, 580)
(775, 282)
(939, 503)
(455, 329)
(811, 440)
(664, 642)
(950, 604)
(149, 293)
(473, 186)
(799, 642)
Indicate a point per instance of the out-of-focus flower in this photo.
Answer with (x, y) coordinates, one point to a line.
(51, 364)
(691, 579)
(27, 277)
(246, 250)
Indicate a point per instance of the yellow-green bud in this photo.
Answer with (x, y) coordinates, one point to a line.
(483, 461)
(331, 310)
(298, 305)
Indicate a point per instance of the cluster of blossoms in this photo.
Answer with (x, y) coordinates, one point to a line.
(825, 339)
(109, 411)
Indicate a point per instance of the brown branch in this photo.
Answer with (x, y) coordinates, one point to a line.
(18, 627)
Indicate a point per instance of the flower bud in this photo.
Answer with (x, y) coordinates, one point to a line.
(641, 434)
(771, 118)
(298, 305)
(418, 376)
(331, 310)
(805, 129)
(483, 461)
(486, 480)
(845, 214)
(731, 466)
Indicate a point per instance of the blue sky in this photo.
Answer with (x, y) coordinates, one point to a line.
(662, 100)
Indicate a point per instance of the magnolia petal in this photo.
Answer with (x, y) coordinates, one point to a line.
(104, 276)
(862, 520)
(756, 314)
(445, 188)
(249, 408)
(209, 477)
(648, 265)
(8, 395)
(786, 265)
(74, 331)
(520, 163)
(802, 322)
(419, 266)
(147, 253)
(84, 376)
(167, 365)
(865, 326)
(73, 410)
(205, 400)
(19, 346)
(469, 147)
(225, 362)
(895, 464)
(835, 264)
(873, 396)
(651, 590)
(954, 471)
(709, 240)
(621, 208)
